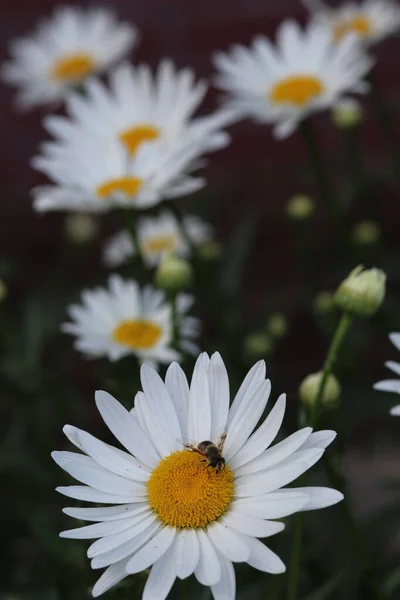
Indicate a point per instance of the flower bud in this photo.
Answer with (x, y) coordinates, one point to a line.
(277, 325)
(173, 273)
(300, 207)
(324, 302)
(3, 290)
(210, 250)
(366, 233)
(257, 344)
(308, 390)
(362, 292)
(81, 228)
(347, 113)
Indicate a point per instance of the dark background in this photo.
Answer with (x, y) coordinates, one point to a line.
(273, 266)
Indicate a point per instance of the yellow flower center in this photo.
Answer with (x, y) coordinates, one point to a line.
(161, 243)
(125, 185)
(138, 334)
(185, 492)
(359, 25)
(73, 67)
(134, 136)
(298, 90)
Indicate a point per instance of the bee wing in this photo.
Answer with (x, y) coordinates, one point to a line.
(221, 438)
(187, 443)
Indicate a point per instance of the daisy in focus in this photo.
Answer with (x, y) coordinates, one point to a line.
(370, 20)
(64, 50)
(141, 107)
(157, 235)
(190, 507)
(90, 176)
(304, 72)
(122, 319)
(392, 385)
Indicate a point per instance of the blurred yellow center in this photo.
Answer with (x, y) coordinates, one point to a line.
(358, 25)
(298, 90)
(185, 492)
(73, 67)
(125, 185)
(138, 334)
(161, 243)
(134, 136)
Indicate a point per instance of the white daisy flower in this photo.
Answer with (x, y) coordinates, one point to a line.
(123, 320)
(65, 50)
(303, 73)
(370, 20)
(392, 385)
(174, 509)
(157, 235)
(140, 107)
(95, 177)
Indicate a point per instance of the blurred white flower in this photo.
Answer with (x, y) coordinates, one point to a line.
(141, 107)
(173, 510)
(123, 320)
(303, 73)
(95, 177)
(347, 113)
(392, 385)
(370, 20)
(157, 235)
(81, 228)
(63, 51)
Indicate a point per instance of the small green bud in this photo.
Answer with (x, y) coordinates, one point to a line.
(81, 228)
(173, 273)
(366, 233)
(362, 292)
(3, 290)
(257, 344)
(300, 207)
(347, 113)
(309, 387)
(324, 302)
(277, 325)
(210, 250)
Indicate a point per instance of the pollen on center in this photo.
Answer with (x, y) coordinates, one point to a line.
(133, 137)
(123, 185)
(73, 67)
(297, 90)
(160, 243)
(185, 492)
(138, 334)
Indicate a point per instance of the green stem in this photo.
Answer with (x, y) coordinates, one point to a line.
(388, 125)
(318, 166)
(353, 162)
(174, 317)
(331, 357)
(294, 564)
(131, 226)
(179, 218)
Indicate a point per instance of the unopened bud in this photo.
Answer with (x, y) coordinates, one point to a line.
(81, 228)
(347, 113)
(277, 325)
(362, 292)
(173, 273)
(300, 207)
(257, 344)
(324, 302)
(309, 388)
(210, 250)
(366, 233)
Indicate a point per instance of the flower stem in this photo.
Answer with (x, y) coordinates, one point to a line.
(174, 318)
(331, 357)
(317, 164)
(131, 226)
(179, 218)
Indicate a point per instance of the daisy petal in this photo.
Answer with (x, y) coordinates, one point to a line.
(162, 576)
(274, 505)
(219, 395)
(225, 589)
(106, 513)
(208, 570)
(228, 542)
(152, 551)
(253, 526)
(199, 428)
(187, 553)
(263, 559)
(320, 497)
(110, 577)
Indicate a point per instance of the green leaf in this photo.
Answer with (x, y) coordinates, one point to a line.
(327, 589)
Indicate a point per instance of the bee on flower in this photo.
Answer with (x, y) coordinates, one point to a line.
(123, 319)
(67, 48)
(282, 83)
(195, 507)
